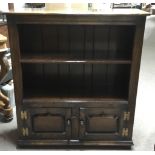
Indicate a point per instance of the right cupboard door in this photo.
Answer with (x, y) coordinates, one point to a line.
(102, 123)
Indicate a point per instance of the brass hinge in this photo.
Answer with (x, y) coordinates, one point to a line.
(125, 132)
(126, 116)
(25, 131)
(23, 115)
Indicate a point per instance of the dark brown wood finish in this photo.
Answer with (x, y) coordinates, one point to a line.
(101, 123)
(49, 123)
(136, 59)
(75, 80)
(75, 77)
(75, 19)
(17, 74)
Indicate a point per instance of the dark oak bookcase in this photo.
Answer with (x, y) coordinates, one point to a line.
(76, 77)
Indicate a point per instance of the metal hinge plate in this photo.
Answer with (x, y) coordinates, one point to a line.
(23, 115)
(25, 131)
(125, 132)
(126, 116)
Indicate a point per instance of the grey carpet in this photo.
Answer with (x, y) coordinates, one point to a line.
(144, 126)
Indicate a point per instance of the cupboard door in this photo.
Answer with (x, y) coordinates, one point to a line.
(49, 123)
(101, 123)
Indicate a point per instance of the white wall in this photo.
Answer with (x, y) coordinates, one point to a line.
(4, 5)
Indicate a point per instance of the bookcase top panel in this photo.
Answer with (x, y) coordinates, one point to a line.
(109, 12)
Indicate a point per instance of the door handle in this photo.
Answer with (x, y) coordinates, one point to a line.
(82, 129)
(68, 122)
(81, 122)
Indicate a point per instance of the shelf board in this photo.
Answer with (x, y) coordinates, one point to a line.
(71, 101)
(39, 99)
(46, 59)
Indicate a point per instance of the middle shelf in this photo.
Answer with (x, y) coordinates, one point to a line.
(50, 59)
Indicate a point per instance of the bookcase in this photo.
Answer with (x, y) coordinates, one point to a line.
(76, 76)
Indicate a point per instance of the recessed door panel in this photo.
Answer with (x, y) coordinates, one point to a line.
(101, 123)
(49, 123)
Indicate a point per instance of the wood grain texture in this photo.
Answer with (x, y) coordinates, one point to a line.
(16, 69)
(114, 12)
(136, 59)
(78, 71)
(75, 19)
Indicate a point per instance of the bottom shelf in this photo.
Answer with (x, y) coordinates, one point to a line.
(69, 89)
(38, 101)
(48, 93)
(49, 99)
(76, 80)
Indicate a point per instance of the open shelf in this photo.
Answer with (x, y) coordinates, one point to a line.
(76, 42)
(76, 61)
(76, 80)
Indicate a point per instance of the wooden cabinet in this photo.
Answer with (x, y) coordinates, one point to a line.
(76, 76)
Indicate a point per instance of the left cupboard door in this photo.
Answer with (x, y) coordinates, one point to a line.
(46, 123)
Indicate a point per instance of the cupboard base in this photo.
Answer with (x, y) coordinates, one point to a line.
(59, 144)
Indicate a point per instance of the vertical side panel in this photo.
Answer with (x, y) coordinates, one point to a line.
(17, 75)
(137, 49)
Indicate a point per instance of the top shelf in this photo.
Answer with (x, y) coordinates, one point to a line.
(70, 11)
(78, 43)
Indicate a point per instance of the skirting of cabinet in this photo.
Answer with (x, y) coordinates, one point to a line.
(54, 144)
